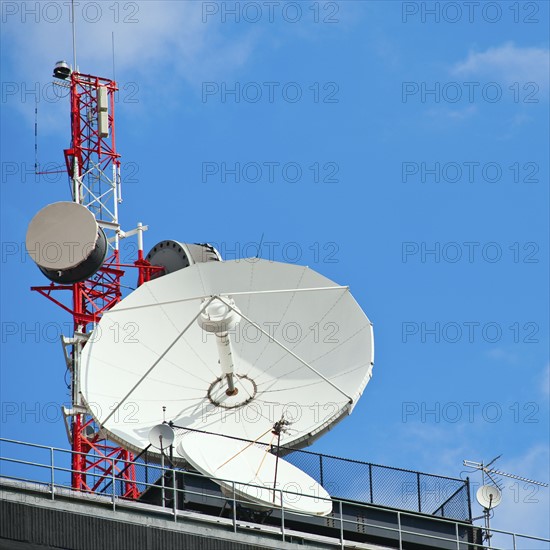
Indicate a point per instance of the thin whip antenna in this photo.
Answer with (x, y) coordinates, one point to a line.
(259, 254)
(74, 36)
(37, 171)
(113, 48)
(36, 136)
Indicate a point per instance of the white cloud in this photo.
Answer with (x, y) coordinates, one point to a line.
(159, 46)
(450, 443)
(508, 62)
(446, 114)
(155, 36)
(503, 356)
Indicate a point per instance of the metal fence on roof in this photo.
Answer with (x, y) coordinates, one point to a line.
(369, 483)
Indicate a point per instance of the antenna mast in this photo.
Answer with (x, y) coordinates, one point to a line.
(73, 21)
(93, 166)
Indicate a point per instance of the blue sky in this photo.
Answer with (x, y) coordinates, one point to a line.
(428, 136)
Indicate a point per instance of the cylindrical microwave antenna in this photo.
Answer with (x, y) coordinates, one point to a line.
(66, 242)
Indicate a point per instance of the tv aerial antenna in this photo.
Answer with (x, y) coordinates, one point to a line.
(491, 473)
(489, 495)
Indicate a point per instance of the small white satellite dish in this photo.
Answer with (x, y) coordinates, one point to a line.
(255, 473)
(161, 436)
(488, 496)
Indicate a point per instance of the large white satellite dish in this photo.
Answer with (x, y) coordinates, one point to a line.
(254, 473)
(230, 348)
(302, 350)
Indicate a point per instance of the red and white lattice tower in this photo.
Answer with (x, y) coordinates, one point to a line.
(93, 166)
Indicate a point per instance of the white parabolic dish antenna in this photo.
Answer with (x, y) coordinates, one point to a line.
(254, 473)
(229, 348)
(488, 496)
(161, 436)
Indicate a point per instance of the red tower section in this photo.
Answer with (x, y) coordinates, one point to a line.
(93, 166)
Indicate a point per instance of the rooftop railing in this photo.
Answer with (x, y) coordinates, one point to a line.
(28, 466)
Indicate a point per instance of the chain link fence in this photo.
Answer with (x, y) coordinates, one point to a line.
(386, 486)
